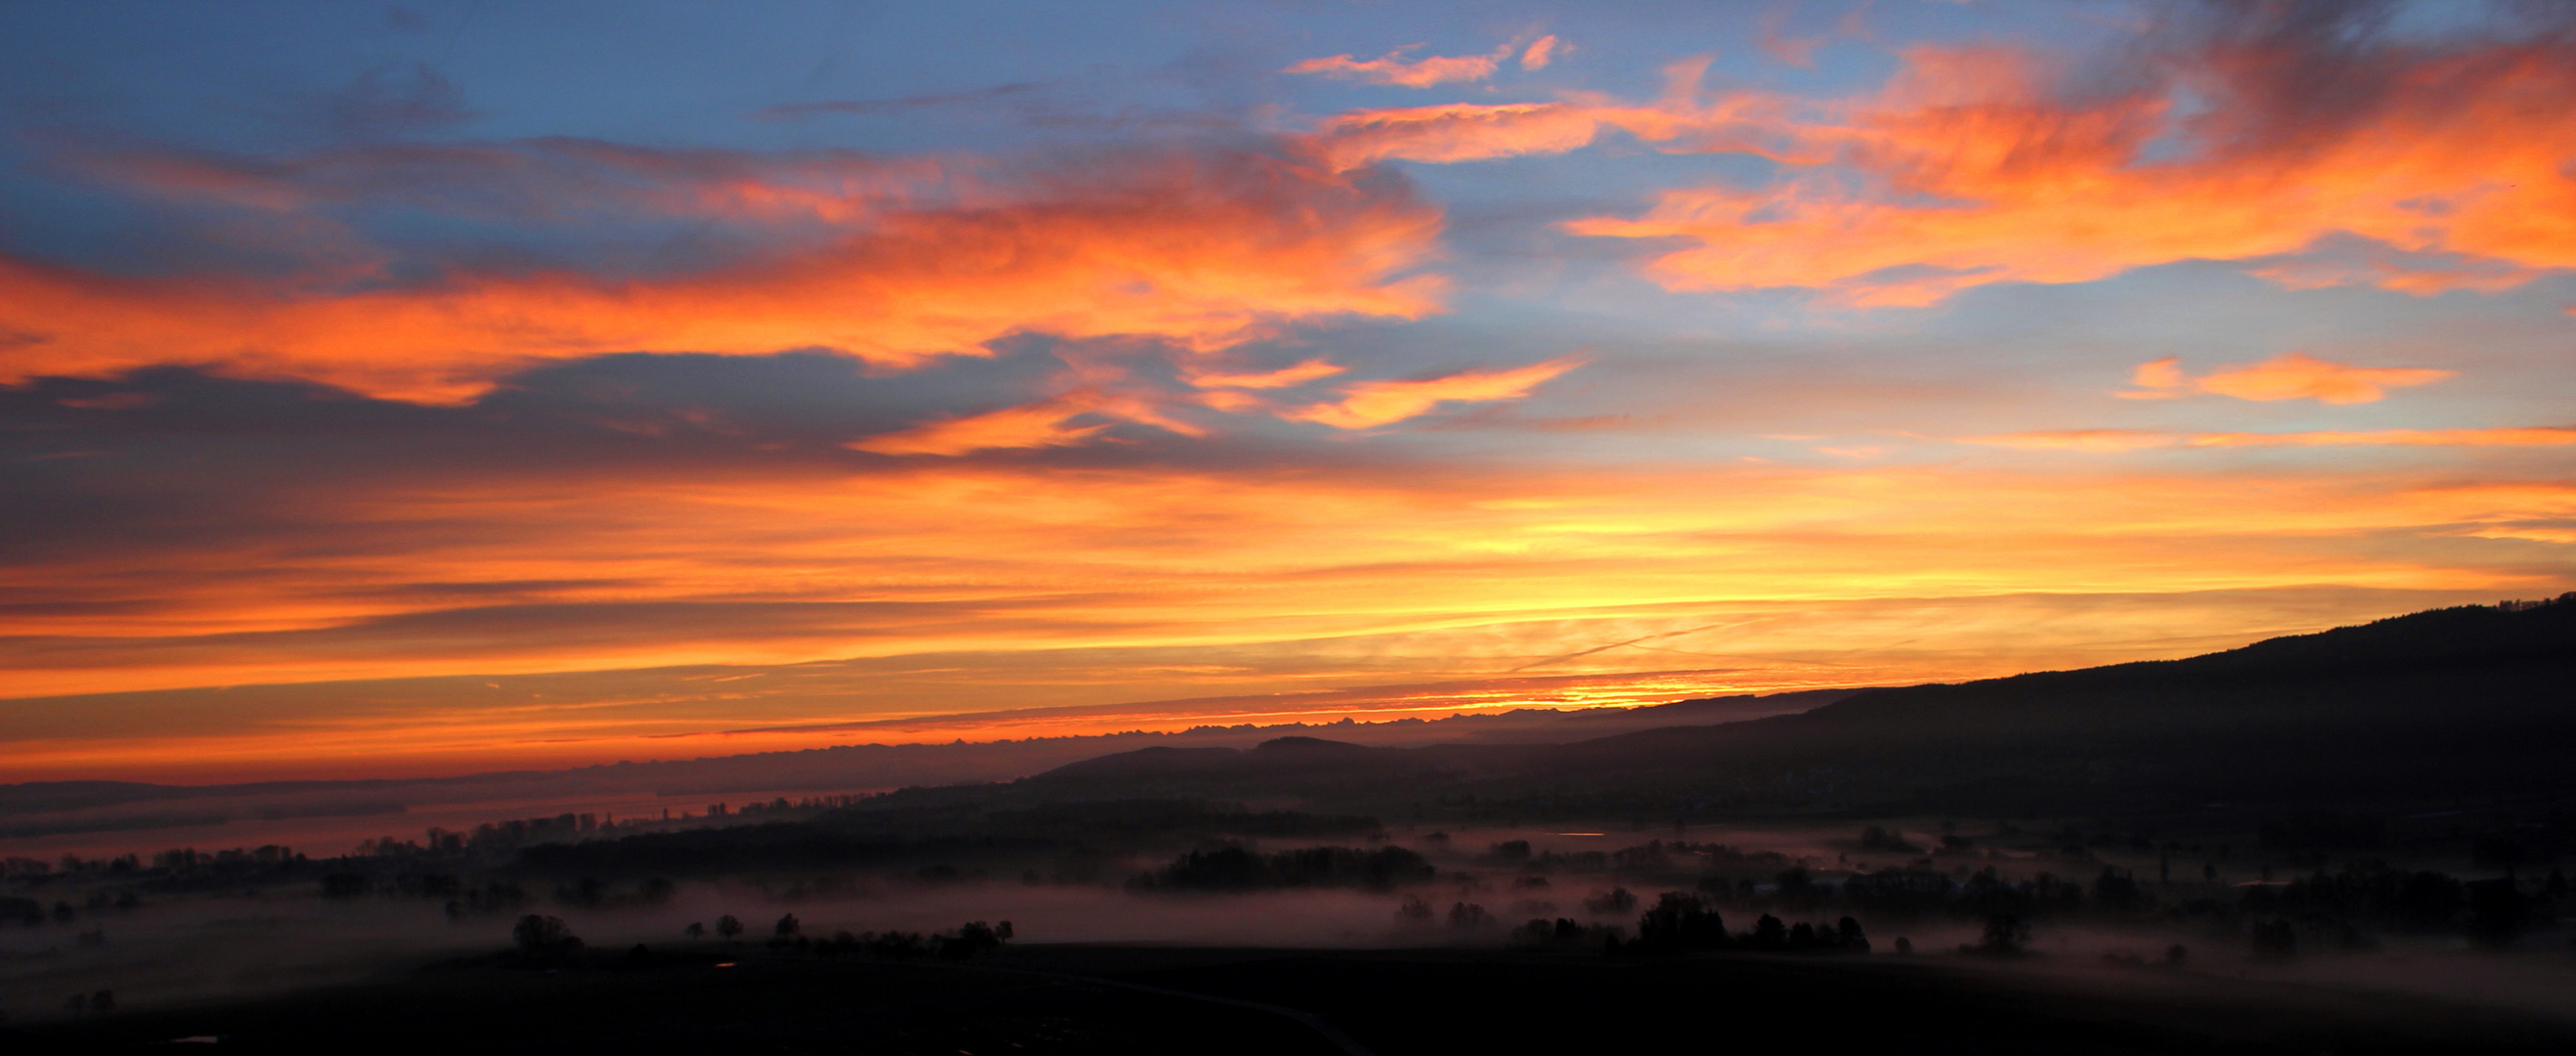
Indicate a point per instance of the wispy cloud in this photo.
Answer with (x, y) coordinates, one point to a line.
(1985, 164)
(1393, 68)
(1284, 377)
(2116, 440)
(1035, 425)
(1454, 132)
(1375, 403)
(1540, 52)
(2292, 376)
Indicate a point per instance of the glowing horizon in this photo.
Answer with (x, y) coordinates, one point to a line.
(779, 372)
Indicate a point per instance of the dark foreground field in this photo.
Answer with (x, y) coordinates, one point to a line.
(1148, 1000)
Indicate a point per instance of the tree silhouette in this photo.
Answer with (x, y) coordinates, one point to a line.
(728, 927)
(1849, 935)
(2005, 936)
(695, 930)
(1680, 923)
(973, 938)
(1768, 934)
(539, 936)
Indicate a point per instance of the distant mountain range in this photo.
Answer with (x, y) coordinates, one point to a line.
(62, 807)
(2477, 702)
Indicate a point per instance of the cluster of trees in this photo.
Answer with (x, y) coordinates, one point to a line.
(783, 805)
(2373, 895)
(1653, 860)
(1918, 892)
(461, 898)
(1679, 923)
(191, 858)
(32, 912)
(1414, 910)
(543, 938)
(972, 939)
(1564, 933)
(2334, 910)
(1236, 868)
(538, 940)
(130, 873)
(504, 835)
(1650, 859)
(590, 892)
(495, 896)
(69, 865)
(120, 882)
(1684, 922)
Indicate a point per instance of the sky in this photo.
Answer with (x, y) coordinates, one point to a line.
(461, 386)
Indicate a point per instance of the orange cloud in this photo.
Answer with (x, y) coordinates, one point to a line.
(1394, 69)
(1035, 425)
(1040, 424)
(1971, 168)
(1454, 132)
(1201, 251)
(1284, 377)
(2300, 376)
(1460, 132)
(1375, 403)
(2293, 376)
(2113, 440)
(1541, 52)
(2157, 374)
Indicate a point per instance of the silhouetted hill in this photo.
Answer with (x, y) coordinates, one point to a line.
(2474, 701)
(2465, 701)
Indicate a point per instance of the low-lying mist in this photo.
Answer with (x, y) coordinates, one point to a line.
(246, 929)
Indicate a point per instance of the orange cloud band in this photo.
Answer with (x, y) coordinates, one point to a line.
(1200, 251)
(1971, 167)
(964, 556)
